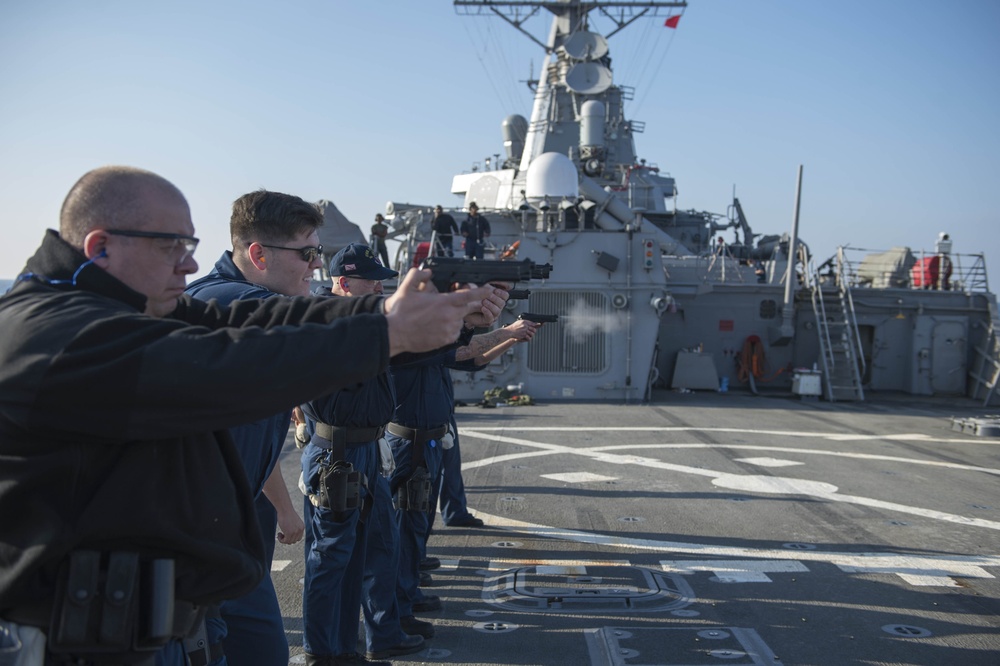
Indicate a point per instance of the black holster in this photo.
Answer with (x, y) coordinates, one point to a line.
(415, 493)
(113, 608)
(340, 488)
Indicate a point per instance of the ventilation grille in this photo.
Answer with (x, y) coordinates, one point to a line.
(768, 309)
(578, 342)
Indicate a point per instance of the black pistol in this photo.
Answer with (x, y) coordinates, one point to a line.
(518, 294)
(539, 318)
(455, 270)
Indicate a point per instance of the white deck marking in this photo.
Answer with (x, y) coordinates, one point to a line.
(768, 462)
(578, 477)
(913, 572)
(550, 449)
(279, 565)
(810, 452)
(832, 436)
(813, 488)
(929, 581)
(775, 485)
(735, 571)
(916, 570)
(576, 567)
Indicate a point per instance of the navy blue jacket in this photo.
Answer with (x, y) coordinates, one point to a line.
(423, 388)
(477, 228)
(259, 443)
(366, 405)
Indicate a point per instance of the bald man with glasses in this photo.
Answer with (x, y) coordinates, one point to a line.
(117, 391)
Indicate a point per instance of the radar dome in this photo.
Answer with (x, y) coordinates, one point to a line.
(552, 177)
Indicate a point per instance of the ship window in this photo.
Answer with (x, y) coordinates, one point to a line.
(578, 342)
(768, 309)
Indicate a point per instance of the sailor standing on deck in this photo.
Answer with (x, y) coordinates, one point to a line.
(449, 488)
(380, 230)
(275, 251)
(476, 230)
(118, 473)
(420, 428)
(352, 554)
(419, 424)
(444, 232)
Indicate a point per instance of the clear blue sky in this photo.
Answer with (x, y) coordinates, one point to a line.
(892, 107)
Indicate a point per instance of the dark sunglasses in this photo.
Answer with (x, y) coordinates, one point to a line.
(308, 254)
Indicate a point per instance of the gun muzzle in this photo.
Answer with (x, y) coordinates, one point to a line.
(541, 271)
(539, 318)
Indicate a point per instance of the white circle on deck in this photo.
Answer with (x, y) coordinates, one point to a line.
(775, 485)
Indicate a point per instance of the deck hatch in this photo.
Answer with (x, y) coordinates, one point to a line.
(587, 589)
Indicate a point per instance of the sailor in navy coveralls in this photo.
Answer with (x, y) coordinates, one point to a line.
(420, 422)
(351, 557)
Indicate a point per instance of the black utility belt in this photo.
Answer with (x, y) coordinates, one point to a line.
(416, 434)
(116, 607)
(347, 436)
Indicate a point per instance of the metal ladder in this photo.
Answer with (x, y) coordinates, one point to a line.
(987, 372)
(839, 339)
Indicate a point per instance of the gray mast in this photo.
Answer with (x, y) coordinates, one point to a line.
(578, 112)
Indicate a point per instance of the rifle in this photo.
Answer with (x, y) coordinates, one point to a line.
(539, 318)
(451, 270)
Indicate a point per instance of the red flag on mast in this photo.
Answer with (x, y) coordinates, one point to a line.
(672, 21)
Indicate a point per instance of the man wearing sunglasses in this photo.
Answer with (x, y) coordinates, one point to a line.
(275, 251)
(116, 390)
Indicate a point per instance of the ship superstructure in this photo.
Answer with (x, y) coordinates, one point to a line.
(651, 295)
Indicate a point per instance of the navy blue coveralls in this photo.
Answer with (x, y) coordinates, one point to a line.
(423, 408)
(251, 628)
(451, 490)
(477, 228)
(350, 563)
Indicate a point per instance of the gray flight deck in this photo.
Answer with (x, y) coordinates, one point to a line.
(714, 528)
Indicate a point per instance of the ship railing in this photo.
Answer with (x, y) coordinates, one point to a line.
(723, 266)
(840, 311)
(901, 268)
(819, 309)
(852, 322)
(417, 246)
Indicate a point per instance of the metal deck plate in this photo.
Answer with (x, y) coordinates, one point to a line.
(554, 588)
(689, 646)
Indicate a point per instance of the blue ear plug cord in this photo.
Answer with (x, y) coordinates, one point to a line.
(71, 281)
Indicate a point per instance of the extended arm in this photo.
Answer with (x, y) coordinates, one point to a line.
(486, 343)
(218, 367)
(486, 357)
(290, 525)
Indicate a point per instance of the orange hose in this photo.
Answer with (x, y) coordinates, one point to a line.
(752, 361)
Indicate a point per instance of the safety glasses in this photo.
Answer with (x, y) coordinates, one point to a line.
(177, 246)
